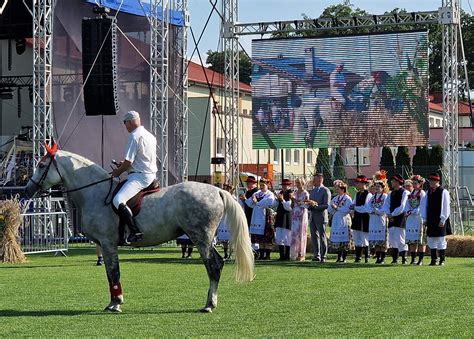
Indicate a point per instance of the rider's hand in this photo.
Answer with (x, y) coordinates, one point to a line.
(116, 172)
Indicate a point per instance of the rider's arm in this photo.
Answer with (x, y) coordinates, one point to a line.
(125, 165)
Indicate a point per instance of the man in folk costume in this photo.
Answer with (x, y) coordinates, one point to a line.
(435, 210)
(394, 207)
(360, 221)
(260, 202)
(251, 190)
(283, 220)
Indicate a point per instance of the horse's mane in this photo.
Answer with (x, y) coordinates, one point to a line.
(84, 161)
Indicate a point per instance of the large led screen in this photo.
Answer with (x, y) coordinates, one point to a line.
(349, 91)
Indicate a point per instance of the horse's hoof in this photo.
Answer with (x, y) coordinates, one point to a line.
(113, 309)
(206, 310)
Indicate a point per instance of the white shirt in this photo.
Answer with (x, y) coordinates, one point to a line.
(399, 210)
(141, 151)
(445, 207)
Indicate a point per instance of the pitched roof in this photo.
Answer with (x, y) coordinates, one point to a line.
(198, 74)
(436, 104)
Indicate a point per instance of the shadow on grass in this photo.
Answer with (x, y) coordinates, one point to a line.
(196, 261)
(17, 313)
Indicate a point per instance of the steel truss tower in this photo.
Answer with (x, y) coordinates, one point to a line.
(159, 67)
(231, 90)
(450, 20)
(180, 81)
(43, 16)
(448, 15)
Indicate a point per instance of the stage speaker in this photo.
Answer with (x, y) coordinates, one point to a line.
(100, 89)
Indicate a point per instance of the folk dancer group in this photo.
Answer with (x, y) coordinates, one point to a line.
(404, 219)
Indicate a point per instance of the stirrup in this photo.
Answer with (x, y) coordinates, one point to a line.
(137, 237)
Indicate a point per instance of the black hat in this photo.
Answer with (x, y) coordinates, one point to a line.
(362, 178)
(398, 177)
(251, 179)
(286, 182)
(434, 177)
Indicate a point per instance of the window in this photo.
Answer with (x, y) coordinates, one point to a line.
(296, 157)
(288, 156)
(431, 122)
(276, 156)
(309, 157)
(220, 145)
(351, 156)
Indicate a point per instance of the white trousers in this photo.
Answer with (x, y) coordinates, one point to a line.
(396, 238)
(437, 243)
(360, 239)
(135, 183)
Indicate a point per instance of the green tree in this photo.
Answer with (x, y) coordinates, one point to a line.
(402, 160)
(436, 157)
(216, 62)
(421, 161)
(386, 161)
(339, 170)
(323, 164)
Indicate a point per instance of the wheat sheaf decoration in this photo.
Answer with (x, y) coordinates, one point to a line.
(10, 221)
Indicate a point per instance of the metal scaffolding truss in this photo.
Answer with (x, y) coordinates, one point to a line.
(159, 68)
(231, 89)
(180, 80)
(448, 15)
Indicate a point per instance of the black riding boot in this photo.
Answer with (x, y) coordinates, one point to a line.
(135, 234)
(420, 258)
(358, 254)
(413, 257)
(394, 255)
(267, 254)
(287, 252)
(281, 250)
(183, 252)
(339, 255)
(442, 257)
(434, 257)
(190, 253)
(366, 254)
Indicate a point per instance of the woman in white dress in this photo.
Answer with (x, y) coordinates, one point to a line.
(414, 223)
(339, 208)
(378, 221)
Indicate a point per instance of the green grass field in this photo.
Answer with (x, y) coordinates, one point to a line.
(64, 297)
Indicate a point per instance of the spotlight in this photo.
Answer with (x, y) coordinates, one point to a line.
(20, 46)
(67, 94)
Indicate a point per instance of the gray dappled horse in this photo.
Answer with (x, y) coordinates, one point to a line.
(190, 207)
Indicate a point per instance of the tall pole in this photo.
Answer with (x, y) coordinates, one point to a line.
(231, 89)
(449, 18)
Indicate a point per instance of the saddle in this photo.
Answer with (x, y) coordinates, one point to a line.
(135, 203)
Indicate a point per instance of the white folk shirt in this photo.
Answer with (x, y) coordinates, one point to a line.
(257, 224)
(445, 206)
(398, 210)
(141, 151)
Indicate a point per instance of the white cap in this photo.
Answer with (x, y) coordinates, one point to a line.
(131, 115)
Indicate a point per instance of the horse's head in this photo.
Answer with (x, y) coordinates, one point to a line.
(46, 173)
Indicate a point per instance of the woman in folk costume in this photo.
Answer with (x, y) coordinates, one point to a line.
(339, 208)
(360, 220)
(283, 220)
(260, 229)
(299, 221)
(394, 207)
(414, 223)
(378, 221)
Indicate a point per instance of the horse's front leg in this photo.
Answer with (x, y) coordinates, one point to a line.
(111, 260)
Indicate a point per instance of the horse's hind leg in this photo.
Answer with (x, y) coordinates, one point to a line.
(214, 264)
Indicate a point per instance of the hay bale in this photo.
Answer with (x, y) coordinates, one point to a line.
(10, 221)
(460, 246)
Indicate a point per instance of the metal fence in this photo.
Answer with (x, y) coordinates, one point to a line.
(45, 231)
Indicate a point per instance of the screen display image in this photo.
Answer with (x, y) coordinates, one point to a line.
(344, 91)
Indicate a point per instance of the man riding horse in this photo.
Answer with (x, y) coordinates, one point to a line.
(140, 163)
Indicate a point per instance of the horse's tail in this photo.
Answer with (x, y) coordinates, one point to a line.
(240, 238)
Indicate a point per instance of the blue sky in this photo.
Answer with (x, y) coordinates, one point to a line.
(251, 11)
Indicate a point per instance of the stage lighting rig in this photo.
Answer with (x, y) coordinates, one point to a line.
(103, 12)
(20, 46)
